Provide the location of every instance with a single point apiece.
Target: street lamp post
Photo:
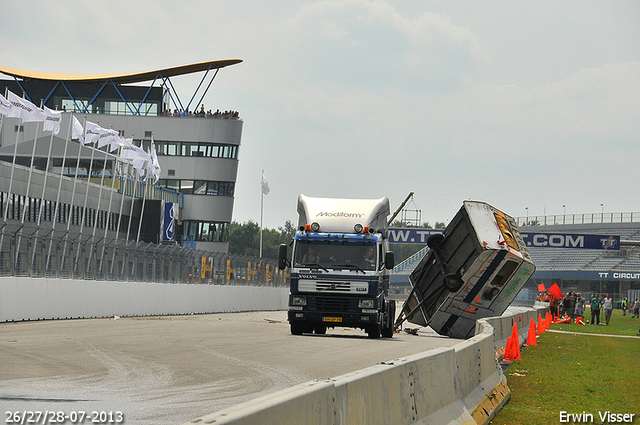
(527, 222)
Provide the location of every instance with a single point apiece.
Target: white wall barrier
(23, 298)
(463, 384)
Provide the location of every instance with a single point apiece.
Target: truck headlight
(298, 301)
(365, 303)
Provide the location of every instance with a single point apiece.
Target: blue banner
(418, 235)
(571, 240)
(168, 221)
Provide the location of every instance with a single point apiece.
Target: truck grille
(332, 304)
(334, 286)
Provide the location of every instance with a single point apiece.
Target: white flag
(5, 106)
(24, 109)
(78, 131)
(101, 136)
(120, 142)
(265, 185)
(52, 121)
(138, 155)
(154, 163)
(134, 152)
(108, 139)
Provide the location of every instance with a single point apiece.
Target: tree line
(244, 239)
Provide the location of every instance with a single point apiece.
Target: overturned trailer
(474, 269)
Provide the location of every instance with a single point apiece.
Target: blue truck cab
(339, 267)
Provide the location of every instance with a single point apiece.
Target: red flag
(555, 291)
(541, 287)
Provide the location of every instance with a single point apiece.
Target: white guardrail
(463, 384)
(25, 298)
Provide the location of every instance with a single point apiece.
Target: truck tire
(297, 328)
(453, 282)
(434, 240)
(320, 329)
(387, 332)
(373, 331)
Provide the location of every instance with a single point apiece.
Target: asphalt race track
(170, 369)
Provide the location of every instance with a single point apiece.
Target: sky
(533, 107)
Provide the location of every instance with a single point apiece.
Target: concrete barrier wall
(34, 299)
(463, 384)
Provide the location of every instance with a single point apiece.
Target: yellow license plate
(332, 319)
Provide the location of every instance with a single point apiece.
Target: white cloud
(379, 98)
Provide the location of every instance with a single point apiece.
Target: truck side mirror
(389, 260)
(282, 257)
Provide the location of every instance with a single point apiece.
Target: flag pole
(94, 148)
(28, 199)
(73, 195)
(57, 208)
(261, 209)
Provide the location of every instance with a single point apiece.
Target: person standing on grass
(580, 302)
(636, 308)
(608, 308)
(566, 304)
(623, 306)
(572, 312)
(553, 305)
(595, 309)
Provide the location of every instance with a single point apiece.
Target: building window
(186, 186)
(206, 231)
(205, 150)
(198, 187)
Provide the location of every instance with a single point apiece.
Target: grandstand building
(61, 187)
(589, 271)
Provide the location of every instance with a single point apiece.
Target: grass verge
(576, 373)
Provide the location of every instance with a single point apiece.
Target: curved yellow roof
(131, 77)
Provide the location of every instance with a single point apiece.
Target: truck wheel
(387, 332)
(453, 282)
(320, 329)
(297, 328)
(373, 331)
(434, 240)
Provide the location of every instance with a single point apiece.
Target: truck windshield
(336, 256)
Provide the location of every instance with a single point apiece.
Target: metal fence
(600, 218)
(37, 254)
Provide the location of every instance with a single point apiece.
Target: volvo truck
(339, 267)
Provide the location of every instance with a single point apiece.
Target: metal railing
(598, 218)
(410, 263)
(38, 255)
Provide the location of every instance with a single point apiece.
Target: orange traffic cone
(540, 324)
(579, 321)
(512, 351)
(547, 320)
(531, 337)
(507, 351)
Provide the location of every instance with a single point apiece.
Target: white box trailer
(474, 269)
